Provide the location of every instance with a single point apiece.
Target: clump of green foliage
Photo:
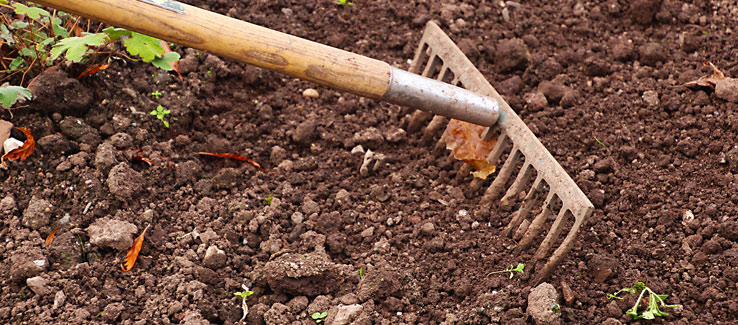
(9, 95)
(512, 270)
(344, 3)
(654, 302)
(160, 114)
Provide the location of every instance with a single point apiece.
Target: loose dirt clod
(543, 304)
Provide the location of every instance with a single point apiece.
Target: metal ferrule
(409, 89)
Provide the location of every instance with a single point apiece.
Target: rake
(459, 91)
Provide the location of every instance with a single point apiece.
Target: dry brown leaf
(5, 128)
(93, 70)
(709, 80)
(50, 238)
(232, 156)
(23, 152)
(132, 254)
(465, 142)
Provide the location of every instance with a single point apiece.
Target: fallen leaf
(5, 128)
(132, 254)
(93, 69)
(50, 238)
(23, 152)
(173, 64)
(61, 222)
(709, 80)
(144, 159)
(232, 156)
(465, 142)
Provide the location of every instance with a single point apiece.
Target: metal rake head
(541, 184)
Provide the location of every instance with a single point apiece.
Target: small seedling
(244, 294)
(511, 270)
(555, 308)
(319, 317)
(210, 72)
(344, 3)
(160, 113)
(599, 142)
(269, 199)
(361, 273)
(654, 301)
(156, 94)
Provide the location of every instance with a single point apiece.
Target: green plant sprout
(160, 113)
(361, 273)
(555, 308)
(344, 3)
(156, 94)
(654, 301)
(269, 199)
(319, 317)
(599, 142)
(244, 294)
(511, 270)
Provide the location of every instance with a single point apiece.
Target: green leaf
(17, 63)
(19, 24)
(6, 35)
(165, 123)
(154, 112)
(147, 47)
(59, 31)
(4, 2)
(77, 47)
(116, 33)
(163, 62)
(9, 95)
(29, 52)
(639, 286)
(31, 12)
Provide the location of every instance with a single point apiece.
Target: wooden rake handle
(324, 65)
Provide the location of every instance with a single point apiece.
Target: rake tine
(528, 202)
(516, 186)
(494, 190)
(536, 225)
(560, 252)
(551, 237)
(435, 125)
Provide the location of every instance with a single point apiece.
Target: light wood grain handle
(241, 41)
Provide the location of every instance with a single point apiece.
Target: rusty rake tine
(536, 225)
(528, 202)
(517, 185)
(494, 190)
(551, 237)
(435, 125)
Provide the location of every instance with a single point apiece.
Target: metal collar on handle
(409, 89)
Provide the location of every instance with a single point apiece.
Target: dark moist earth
(409, 242)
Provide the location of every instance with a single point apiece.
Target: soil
(408, 242)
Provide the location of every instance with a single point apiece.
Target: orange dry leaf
(232, 156)
(92, 70)
(50, 238)
(23, 152)
(709, 80)
(465, 142)
(132, 254)
(175, 64)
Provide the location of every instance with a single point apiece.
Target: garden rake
(450, 87)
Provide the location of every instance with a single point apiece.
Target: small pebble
(311, 93)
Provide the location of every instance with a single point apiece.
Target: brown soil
(408, 242)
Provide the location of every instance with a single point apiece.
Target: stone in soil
(105, 157)
(38, 285)
(305, 132)
(124, 182)
(305, 274)
(37, 214)
(652, 53)
(369, 137)
(535, 101)
(214, 258)
(343, 314)
(511, 54)
(541, 302)
(601, 267)
(74, 128)
(112, 233)
(26, 263)
(727, 89)
(553, 90)
(53, 91)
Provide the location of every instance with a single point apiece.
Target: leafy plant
(319, 317)
(654, 302)
(519, 268)
(160, 113)
(344, 3)
(243, 294)
(38, 38)
(156, 94)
